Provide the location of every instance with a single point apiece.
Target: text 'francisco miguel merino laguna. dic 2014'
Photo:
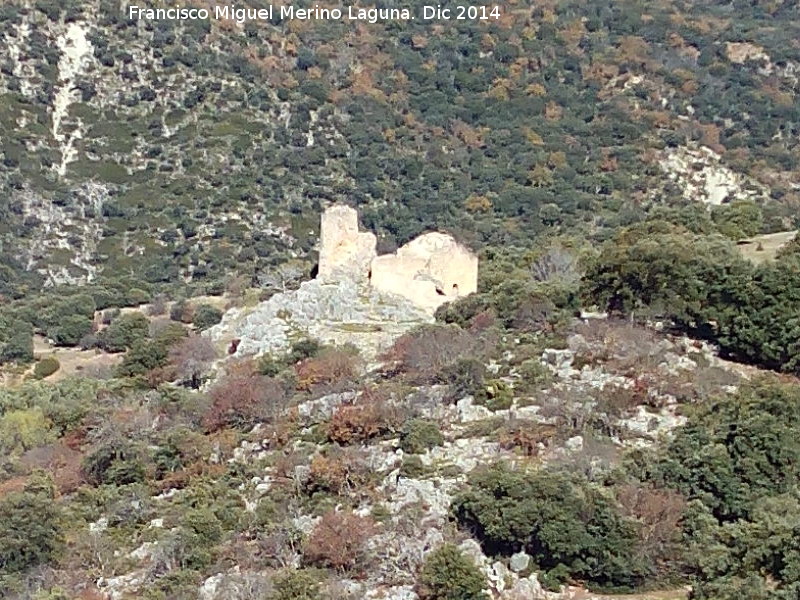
(316, 13)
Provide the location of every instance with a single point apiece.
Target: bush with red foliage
(373, 414)
(338, 471)
(330, 369)
(241, 400)
(424, 354)
(339, 541)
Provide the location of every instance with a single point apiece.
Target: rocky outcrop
(358, 298)
(702, 175)
(344, 312)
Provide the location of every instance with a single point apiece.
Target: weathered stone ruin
(344, 251)
(430, 270)
(358, 297)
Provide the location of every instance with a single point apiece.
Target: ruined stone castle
(429, 270)
(358, 298)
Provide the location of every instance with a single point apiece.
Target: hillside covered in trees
(615, 411)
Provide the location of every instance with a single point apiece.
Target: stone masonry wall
(430, 270)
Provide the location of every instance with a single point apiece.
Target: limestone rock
(399, 592)
(527, 589)
(320, 409)
(335, 313)
(702, 175)
(469, 411)
(473, 550)
(519, 562)
(499, 576)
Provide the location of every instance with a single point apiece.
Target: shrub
(449, 575)
(369, 417)
(204, 524)
(419, 435)
(302, 349)
(191, 358)
(22, 430)
(16, 342)
(159, 306)
(136, 296)
(65, 402)
(30, 534)
(167, 332)
(412, 467)
(295, 585)
(206, 316)
(270, 366)
(465, 377)
(529, 436)
(107, 316)
(495, 395)
(735, 450)
(533, 373)
(181, 311)
(244, 400)
(659, 513)
(425, 353)
(568, 527)
(330, 367)
(461, 312)
(117, 462)
(70, 330)
(339, 471)
(339, 541)
(46, 367)
(145, 355)
(124, 331)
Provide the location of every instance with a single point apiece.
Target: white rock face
(434, 493)
(335, 313)
(400, 592)
(741, 52)
(702, 176)
(75, 53)
(519, 562)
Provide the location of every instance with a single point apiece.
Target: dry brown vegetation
(659, 513)
(339, 541)
(423, 354)
(330, 371)
(244, 400)
(373, 414)
(339, 471)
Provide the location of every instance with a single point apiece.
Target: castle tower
(344, 251)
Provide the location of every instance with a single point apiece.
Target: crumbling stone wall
(430, 270)
(344, 251)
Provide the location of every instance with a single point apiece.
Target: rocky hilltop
(358, 297)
